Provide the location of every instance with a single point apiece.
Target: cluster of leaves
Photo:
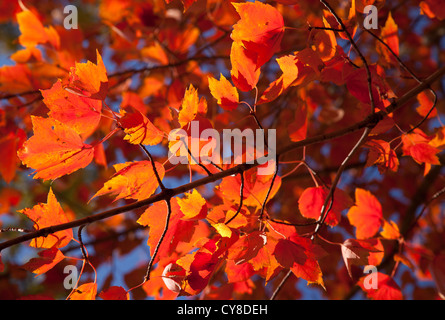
(356, 180)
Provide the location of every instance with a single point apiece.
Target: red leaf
(387, 288)
(298, 254)
(114, 293)
(312, 199)
(366, 215)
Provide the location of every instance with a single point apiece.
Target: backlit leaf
(45, 215)
(54, 150)
(132, 180)
(366, 215)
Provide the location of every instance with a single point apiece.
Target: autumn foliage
(86, 176)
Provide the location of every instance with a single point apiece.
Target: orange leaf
(193, 206)
(224, 93)
(80, 113)
(139, 129)
(114, 293)
(87, 291)
(433, 9)
(189, 107)
(366, 215)
(260, 29)
(389, 35)
(132, 180)
(48, 259)
(387, 288)
(89, 79)
(179, 230)
(54, 150)
(289, 68)
(390, 230)
(33, 32)
(426, 103)
(46, 215)
(245, 74)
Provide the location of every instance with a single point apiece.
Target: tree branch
(370, 121)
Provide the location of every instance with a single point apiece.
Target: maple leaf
(312, 199)
(387, 288)
(381, 154)
(80, 113)
(324, 42)
(356, 252)
(86, 291)
(260, 29)
(47, 260)
(89, 79)
(389, 35)
(289, 67)
(426, 103)
(390, 230)
(421, 148)
(366, 215)
(173, 277)
(54, 150)
(46, 215)
(297, 254)
(244, 73)
(139, 129)
(33, 32)
(433, 9)
(193, 206)
(132, 180)
(114, 293)
(9, 143)
(190, 105)
(226, 95)
(247, 247)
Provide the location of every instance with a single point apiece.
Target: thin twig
(241, 196)
(356, 48)
(280, 285)
(153, 164)
(161, 239)
(330, 197)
